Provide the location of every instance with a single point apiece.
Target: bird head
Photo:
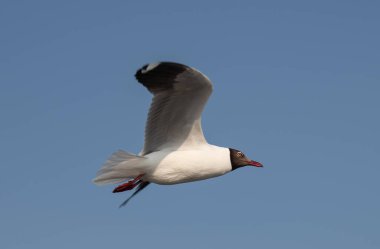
(239, 159)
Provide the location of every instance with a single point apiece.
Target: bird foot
(128, 185)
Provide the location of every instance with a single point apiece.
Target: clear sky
(297, 87)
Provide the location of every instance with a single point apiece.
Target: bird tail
(119, 167)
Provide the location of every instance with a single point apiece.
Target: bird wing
(179, 96)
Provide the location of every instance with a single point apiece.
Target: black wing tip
(159, 67)
(159, 75)
(161, 64)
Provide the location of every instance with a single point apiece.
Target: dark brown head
(238, 159)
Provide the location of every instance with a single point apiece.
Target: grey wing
(180, 94)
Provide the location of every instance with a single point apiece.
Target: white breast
(188, 165)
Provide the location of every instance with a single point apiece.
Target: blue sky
(296, 88)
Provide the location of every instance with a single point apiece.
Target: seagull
(175, 149)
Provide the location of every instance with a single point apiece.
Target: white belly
(188, 165)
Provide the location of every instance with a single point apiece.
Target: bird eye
(240, 154)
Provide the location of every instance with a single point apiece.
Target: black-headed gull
(175, 150)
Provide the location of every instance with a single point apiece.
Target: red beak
(254, 163)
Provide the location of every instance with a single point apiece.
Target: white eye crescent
(150, 67)
(240, 154)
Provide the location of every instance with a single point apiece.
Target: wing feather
(179, 96)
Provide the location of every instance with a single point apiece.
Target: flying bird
(175, 149)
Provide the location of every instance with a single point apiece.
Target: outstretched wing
(179, 96)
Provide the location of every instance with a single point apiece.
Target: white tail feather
(119, 167)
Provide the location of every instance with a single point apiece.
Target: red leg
(128, 185)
